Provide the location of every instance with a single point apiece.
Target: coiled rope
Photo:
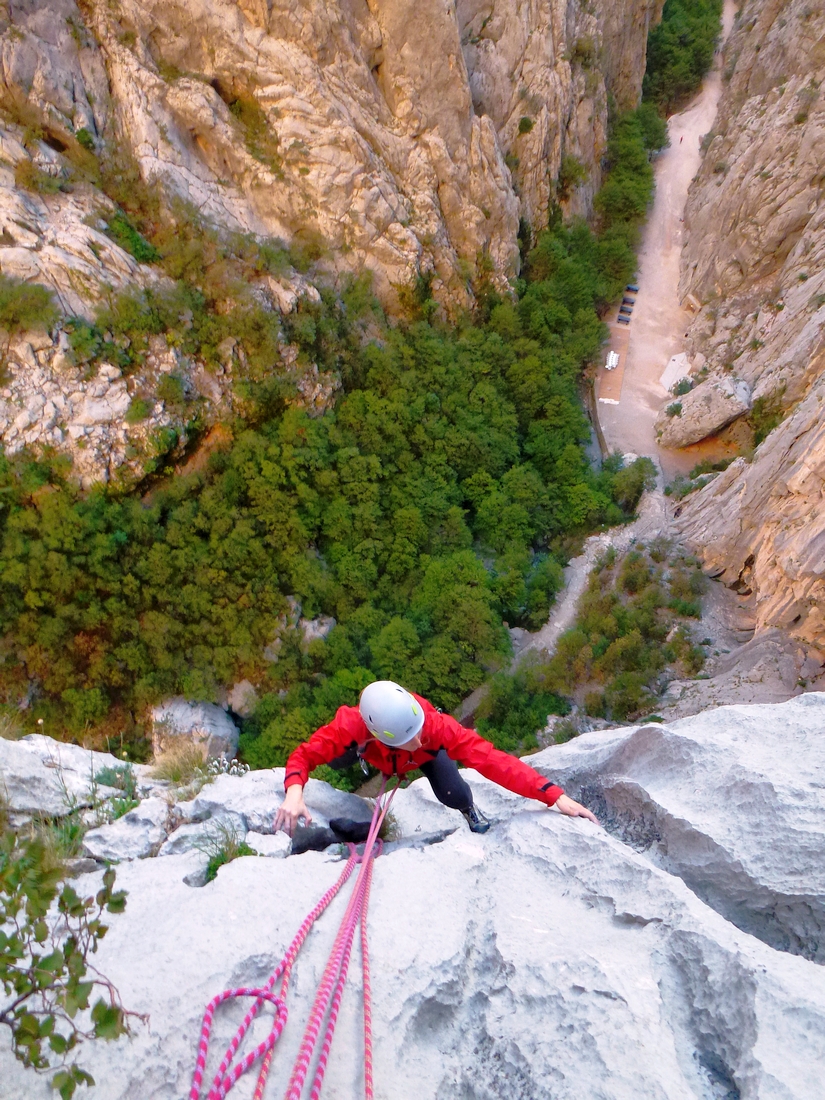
(327, 999)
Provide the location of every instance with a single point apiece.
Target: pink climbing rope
(327, 1000)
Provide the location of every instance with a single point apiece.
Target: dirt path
(653, 519)
(629, 398)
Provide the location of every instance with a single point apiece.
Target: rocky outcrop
(703, 411)
(203, 724)
(380, 130)
(116, 428)
(49, 399)
(41, 775)
(760, 525)
(542, 959)
(754, 266)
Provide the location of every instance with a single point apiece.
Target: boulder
(731, 801)
(204, 724)
(313, 630)
(196, 835)
(707, 409)
(242, 699)
(136, 835)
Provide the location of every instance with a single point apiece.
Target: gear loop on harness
(328, 997)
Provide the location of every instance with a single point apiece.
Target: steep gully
(628, 400)
(630, 397)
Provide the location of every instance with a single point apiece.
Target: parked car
(632, 288)
(628, 301)
(626, 309)
(623, 320)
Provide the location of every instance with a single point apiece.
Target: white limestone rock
(196, 836)
(204, 724)
(539, 961)
(136, 835)
(255, 798)
(313, 630)
(274, 845)
(546, 960)
(731, 800)
(242, 698)
(39, 775)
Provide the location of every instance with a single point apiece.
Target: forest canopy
(426, 512)
(680, 51)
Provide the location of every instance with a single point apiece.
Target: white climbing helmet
(391, 713)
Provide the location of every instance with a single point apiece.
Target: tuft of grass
(122, 777)
(25, 306)
(181, 763)
(62, 837)
(30, 178)
(221, 847)
(138, 411)
(121, 230)
(120, 806)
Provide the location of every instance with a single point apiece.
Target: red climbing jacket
(440, 731)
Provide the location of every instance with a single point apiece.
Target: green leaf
(117, 902)
(58, 1043)
(108, 1020)
(77, 997)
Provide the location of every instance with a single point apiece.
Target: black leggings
(442, 772)
(446, 782)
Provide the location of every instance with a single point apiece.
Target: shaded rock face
(719, 800)
(754, 262)
(386, 124)
(545, 959)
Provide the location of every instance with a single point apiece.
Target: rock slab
(546, 960)
(732, 801)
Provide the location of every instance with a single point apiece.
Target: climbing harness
(327, 999)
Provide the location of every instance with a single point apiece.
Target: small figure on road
(681, 139)
(397, 731)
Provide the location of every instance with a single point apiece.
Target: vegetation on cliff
(428, 509)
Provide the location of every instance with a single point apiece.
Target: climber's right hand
(292, 808)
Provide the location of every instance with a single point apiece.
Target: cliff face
(381, 127)
(754, 268)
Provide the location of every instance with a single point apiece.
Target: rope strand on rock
(327, 1000)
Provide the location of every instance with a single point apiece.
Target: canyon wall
(754, 270)
(407, 137)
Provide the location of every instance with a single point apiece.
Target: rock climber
(397, 731)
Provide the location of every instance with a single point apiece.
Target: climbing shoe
(476, 820)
